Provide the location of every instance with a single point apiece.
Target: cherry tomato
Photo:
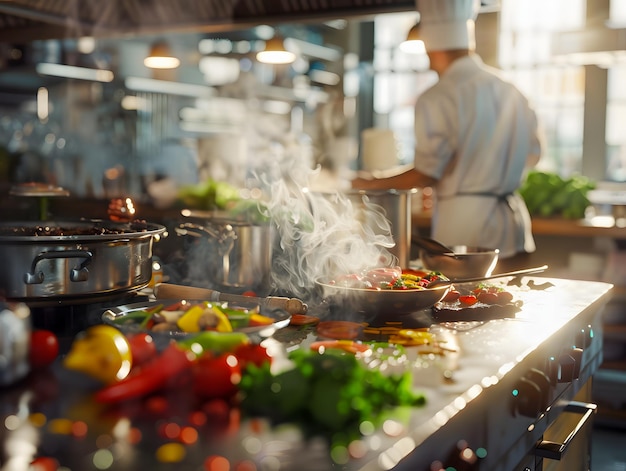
(44, 348)
(504, 297)
(142, 347)
(216, 377)
(468, 299)
(44, 463)
(251, 353)
(488, 297)
(451, 296)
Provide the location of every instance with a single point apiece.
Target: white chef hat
(447, 24)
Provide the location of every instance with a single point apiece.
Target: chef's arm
(399, 178)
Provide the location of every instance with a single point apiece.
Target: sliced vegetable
(339, 329)
(303, 319)
(216, 342)
(102, 352)
(349, 346)
(216, 376)
(153, 376)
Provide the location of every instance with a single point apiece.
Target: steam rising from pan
(320, 235)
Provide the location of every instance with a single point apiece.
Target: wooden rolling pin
(169, 291)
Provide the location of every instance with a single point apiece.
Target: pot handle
(224, 234)
(79, 273)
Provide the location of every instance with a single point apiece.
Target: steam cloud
(321, 235)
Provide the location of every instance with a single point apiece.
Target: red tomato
(44, 463)
(44, 348)
(251, 353)
(216, 377)
(504, 297)
(451, 296)
(488, 298)
(142, 347)
(468, 299)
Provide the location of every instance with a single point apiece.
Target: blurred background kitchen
(81, 111)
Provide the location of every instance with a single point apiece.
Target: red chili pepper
(303, 319)
(154, 375)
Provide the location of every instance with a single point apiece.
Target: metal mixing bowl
(465, 262)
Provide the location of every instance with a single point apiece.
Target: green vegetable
(216, 342)
(330, 393)
(548, 194)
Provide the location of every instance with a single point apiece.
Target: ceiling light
(413, 44)
(275, 52)
(160, 57)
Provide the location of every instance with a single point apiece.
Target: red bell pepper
(151, 377)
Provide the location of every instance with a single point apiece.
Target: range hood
(27, 20)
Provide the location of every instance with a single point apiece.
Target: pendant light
(161, 57)
(413, 44)
(275, 52)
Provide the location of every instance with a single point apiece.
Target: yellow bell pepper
(188, 322)
(101, 352)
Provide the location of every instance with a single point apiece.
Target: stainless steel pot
(48, 260)
(240, 255)
(396, 206)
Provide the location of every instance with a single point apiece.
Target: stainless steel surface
(15, 330)
(66, 266)
(467, 262)
(470, 396)
(396, 206)
(240, 255)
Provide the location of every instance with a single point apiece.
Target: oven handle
(554, 450)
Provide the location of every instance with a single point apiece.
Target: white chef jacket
(474, 133)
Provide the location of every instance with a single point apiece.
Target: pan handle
(79, 273)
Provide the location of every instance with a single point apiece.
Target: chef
(476, 135)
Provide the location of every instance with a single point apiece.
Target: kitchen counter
(469, 396)
(598, 226)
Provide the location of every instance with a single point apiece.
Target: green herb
(329, 394)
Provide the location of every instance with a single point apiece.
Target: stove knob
(569, 365)
(543, 382)
(584, 337)
(527, 398)
(577, 355)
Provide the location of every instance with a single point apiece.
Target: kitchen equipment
(523, 271)
(396, 206)
(15, 330)
(462, 261)
(239, 254)
(121, 318)
(433, 247)
(47, 260)
(171, 291)
(381, 303)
